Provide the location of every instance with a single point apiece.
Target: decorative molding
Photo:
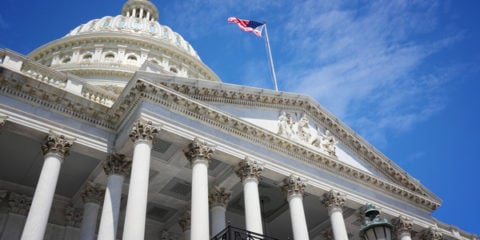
(143, 130)
(402, 224)
(57, 144)
(73, 216)
(117, 164)
(19, 203)
(92, 193)
(185, 221)
(219, 197)
(332, 199)
(249, 169)
(198, 150)
(431, 233)
(294, 186)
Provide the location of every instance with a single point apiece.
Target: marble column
(218, 200)
(185, 224)
(250, 172)
(55, 149)
(432, 233)
(199, 154)
(294, 188)
(403, 228)
(142, 135)
(116, 167)
(334, 201)
(92, 196)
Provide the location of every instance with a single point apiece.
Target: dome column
(55, 149)
(142, 135)
(334, 201)
(218, 200)
(294, 188)
(92, 197)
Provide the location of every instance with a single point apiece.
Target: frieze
(181, 104)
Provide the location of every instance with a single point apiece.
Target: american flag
(248, 25)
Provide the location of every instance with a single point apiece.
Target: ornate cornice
(175, 101)
(219, 197)
(198, 150)
(333, 199)
(117, 164)
(249, 169)
(93, 193)
(293, 185)
(143, 130)
(185, 221)
(57, 144)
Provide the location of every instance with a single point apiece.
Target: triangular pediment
(259, 111)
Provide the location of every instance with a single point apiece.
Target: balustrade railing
(233, 233)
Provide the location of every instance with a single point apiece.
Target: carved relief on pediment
(301, 131)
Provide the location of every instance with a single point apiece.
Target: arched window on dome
(132, 58)
(154, 61)
(87, 57)
(66, 60)
(109, 57)
(165, 33)
(173, 69)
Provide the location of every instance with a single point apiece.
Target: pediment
(257, 112)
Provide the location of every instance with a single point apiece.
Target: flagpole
(269, 52)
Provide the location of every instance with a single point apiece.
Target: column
(199, 154)
(92, 196)
(403, 228)
(431, 233)
(185, 224)
(294, 188)
(142, 135)
(249, 172)
(55, 149)
(116, 167)
(334, 201)
(218, 200)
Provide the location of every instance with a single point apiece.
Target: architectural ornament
(117, 164)
(57, 144)
(303, 129)
(3, 120)
(333, 199)
(143, 130)
(249, 169)
(327, 234)
(402, 224)
(19, 203)
(73, 216)
(329, 143)
(432, 233)
(219, 196)
(92, 193)
(294, 185)
(185, 221)
(285, 125)
(198, 149)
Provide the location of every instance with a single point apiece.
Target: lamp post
(375, 228)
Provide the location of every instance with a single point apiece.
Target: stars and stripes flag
(248, 25)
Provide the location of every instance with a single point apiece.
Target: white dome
(109, 50)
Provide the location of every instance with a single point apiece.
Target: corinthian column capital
(402, 224)
(333, 199)
(219, 197)
(294, 185)
(185, 221)
(57, 144)
(143, 130)
(117, 164)
(92, 193)
(431, 233)
(249, 169)
(198, 150)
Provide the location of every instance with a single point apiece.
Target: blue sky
(403, 74)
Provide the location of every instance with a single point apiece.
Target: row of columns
(199, 154)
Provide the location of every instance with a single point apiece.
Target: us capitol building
(118, 130)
